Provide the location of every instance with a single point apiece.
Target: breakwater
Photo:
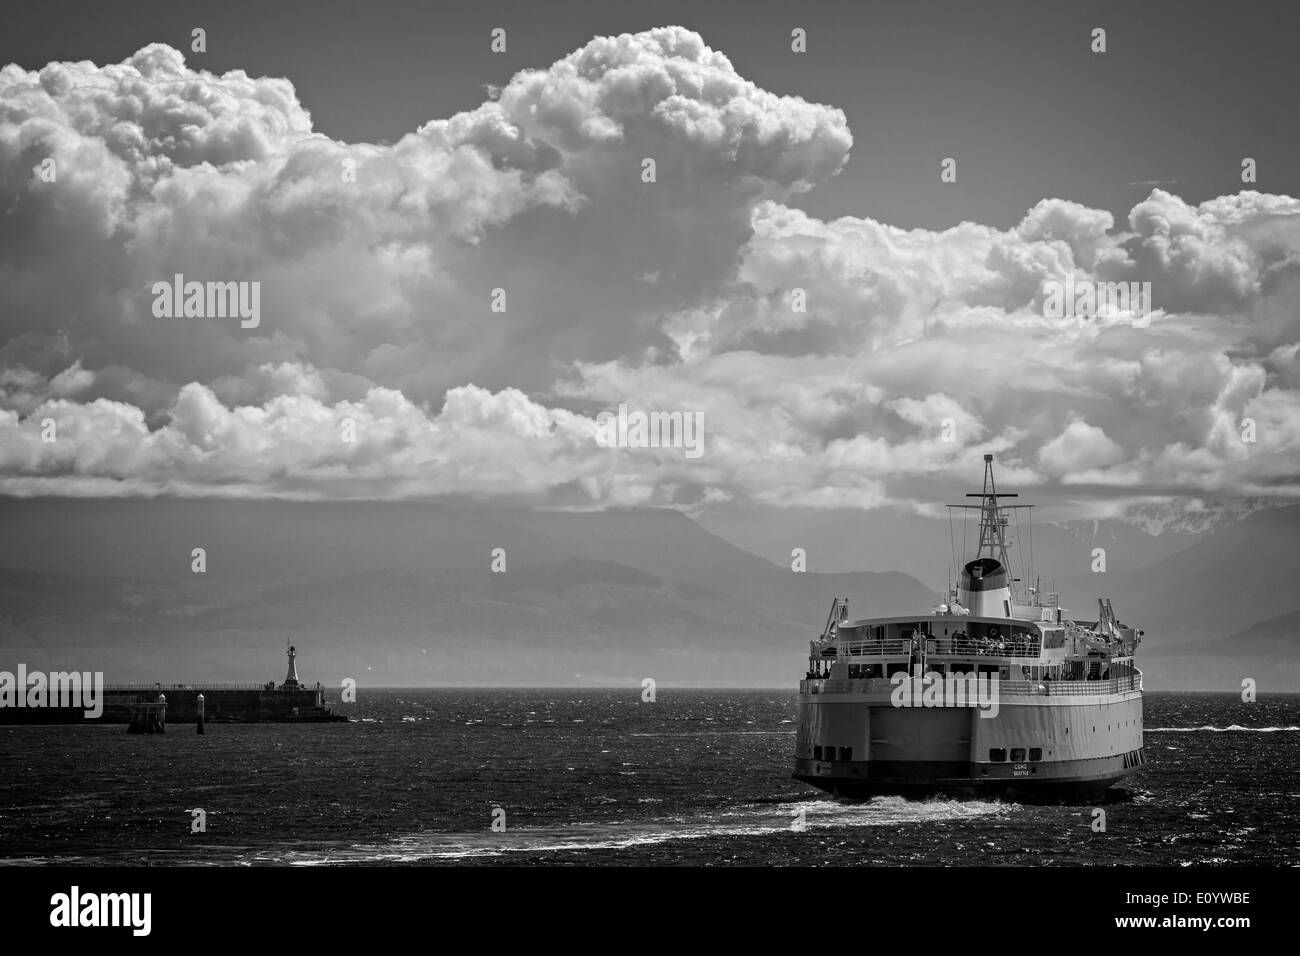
(223, 703)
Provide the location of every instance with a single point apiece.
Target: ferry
(984, 694)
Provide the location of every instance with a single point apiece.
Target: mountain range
(404, 593)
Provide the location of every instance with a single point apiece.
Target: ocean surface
(596, 777)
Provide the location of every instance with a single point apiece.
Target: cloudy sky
(380, 172)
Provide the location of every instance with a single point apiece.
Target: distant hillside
(1220, 610)
(885, 540)
(1211, 514)
(1234, 577)
(403, 593)
(1277, 638)
(1268, 652)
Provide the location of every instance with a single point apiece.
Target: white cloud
(1081, 447)
(378, 265)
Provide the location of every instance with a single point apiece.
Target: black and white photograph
(609, 436)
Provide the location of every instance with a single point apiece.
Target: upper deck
(940, 634)
(946, 643)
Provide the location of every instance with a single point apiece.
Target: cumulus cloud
(382, 261)
(1080, 447)
(480, 444)
(470, 297)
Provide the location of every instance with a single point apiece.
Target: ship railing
(1005, 648)
(1062, 688)
(871, 648)
(942, 646)
(1006, 688)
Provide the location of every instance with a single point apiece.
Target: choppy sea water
(598, 777)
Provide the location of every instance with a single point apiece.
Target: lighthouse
(291, 679)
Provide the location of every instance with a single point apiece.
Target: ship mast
(993, 523)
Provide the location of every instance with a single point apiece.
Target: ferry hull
(859, 745)
(1058, 780)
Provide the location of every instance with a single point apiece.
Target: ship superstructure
(985, 692)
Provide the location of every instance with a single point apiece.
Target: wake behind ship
(982, 694)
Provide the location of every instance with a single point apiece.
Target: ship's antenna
(952, 553)
(1024, 569)
(992, 539)
(963, 534)
(1031, 552)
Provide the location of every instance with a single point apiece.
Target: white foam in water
(744, 821)
(1231, 728)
